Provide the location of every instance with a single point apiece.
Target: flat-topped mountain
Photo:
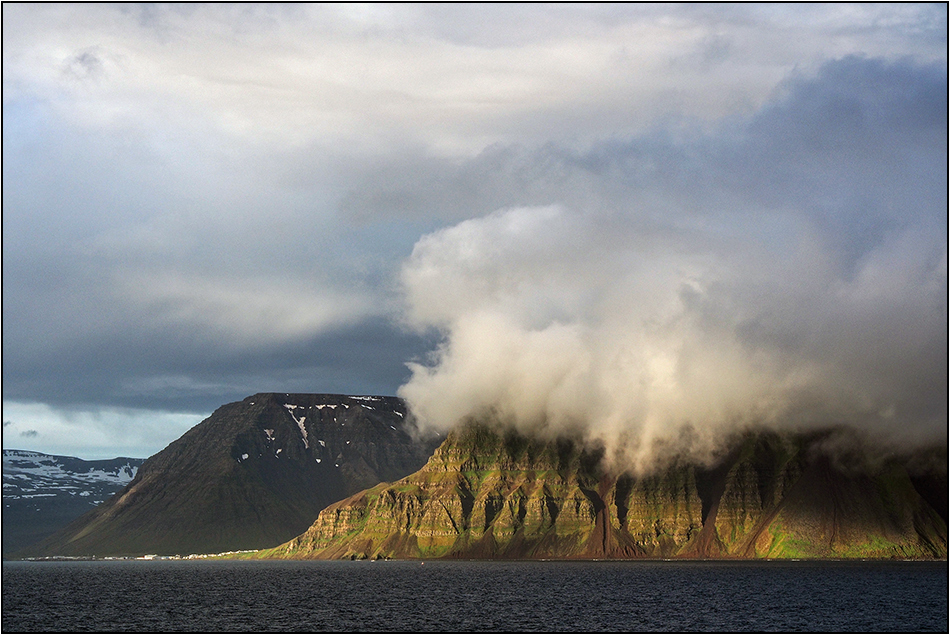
(254, 474)
(488, 493)
(45, 492)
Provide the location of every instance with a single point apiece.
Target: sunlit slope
(491, 494)
(254, 474)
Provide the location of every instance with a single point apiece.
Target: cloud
(779, 271)
(448, 78)
(246, 312)
(179, 370)
(204, 201)
(29, 433)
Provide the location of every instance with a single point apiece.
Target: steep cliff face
(254, 474)
(487, 493)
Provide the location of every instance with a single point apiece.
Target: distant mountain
(488, 493)
(254, 474)
(45, 492)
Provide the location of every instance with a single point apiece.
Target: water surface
(443, 596)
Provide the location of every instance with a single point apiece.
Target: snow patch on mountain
(300, 423)
(27, 471)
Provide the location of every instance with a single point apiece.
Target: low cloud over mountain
(788, 269)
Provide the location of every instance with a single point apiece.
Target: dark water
(202, 596)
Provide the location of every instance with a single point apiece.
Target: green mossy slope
(488, 493)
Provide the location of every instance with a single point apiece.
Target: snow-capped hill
(26, 471)
(44, 492)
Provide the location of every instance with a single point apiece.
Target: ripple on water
(174, 596)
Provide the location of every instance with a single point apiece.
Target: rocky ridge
(490, 493)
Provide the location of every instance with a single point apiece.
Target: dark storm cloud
(174, 370)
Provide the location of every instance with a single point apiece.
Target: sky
(645, 222)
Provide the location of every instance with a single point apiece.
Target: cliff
(488, 493)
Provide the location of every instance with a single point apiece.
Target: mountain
(253, 474)
(44, 492)
(489, 493)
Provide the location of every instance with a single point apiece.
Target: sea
(474, 596)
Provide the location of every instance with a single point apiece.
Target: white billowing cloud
(552, 320)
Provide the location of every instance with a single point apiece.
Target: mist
(785, 270)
